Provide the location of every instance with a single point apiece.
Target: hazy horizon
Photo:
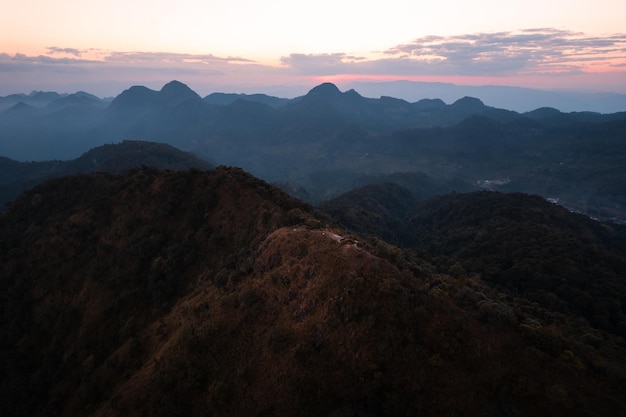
(520, 99)
(285, 48)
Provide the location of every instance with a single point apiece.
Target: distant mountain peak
(44, 95)
(176, 89)
(352, 93)
(429, 104)
(469, 103)
(175, 85)
(324, 90)
(21, 107)
(134, 96)
(544, 112)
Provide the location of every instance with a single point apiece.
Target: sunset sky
(287, 47)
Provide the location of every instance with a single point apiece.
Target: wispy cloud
(99, 61)
(325, 64)
(503, 53)
(130, 58)
(53, 50)
(513, 55)
(73, 69)
(24, 63)
(532, 51)
(96, 56)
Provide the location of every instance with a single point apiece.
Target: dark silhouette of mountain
(256, 113)
(175, 92)
(374, 209)
(16, 177)
(77, 99)
(126, 155)
(386, 113)
(324, 91)
(187, 293)
(135, 98)
(469, 104)
(544, 113)
(428, 104)
(554, 117)
(418, 183)
(326, 103)
(224, 99)
(45, 96)
(174, 114)
(506, 97)
(381, 205)
(141, 108)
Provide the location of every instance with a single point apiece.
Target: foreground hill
(211, 292)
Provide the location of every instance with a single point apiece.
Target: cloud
(61, 68)
(100, 60)
(324, 64)
(532, 51)
(70, 51)
(24, 63)
(132, 58)
(512, 55)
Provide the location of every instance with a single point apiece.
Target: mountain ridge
(325, 142)
(520, 99)
(187, 292)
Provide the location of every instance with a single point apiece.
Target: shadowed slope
(195, 293)
(564, 261)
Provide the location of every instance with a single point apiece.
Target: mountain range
(332, 255)
(521, 99)
(328, 142)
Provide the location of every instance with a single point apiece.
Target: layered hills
(328, 142)
(214, 293)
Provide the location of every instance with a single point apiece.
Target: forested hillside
(212, 292)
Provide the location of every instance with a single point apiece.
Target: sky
(285, 47)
